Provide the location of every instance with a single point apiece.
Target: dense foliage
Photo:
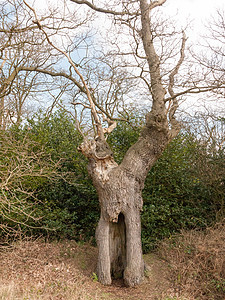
(69, 203)
(184, 190)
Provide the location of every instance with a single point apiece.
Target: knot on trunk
(102, 149)
(157, 121)
(96, 149)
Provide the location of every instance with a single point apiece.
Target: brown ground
(37, 270)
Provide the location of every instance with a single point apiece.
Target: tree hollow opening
(117, 245)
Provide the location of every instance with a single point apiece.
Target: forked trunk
(119, 188)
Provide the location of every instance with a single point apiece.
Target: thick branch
(54, 74)
(175, 125)
(2, 65)
(7, 84)
(102, 10)
(155, 135)
(176, 69)
(157, 89)
(156, 3)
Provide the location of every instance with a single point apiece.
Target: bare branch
(53, 74)
(195, 90)
(175, 125)
(102, 10)
(2, 64)
(176, 69)
(156, 3)
(93, 109)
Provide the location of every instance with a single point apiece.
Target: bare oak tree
(16, 51)
(214, 60)
(120, 187)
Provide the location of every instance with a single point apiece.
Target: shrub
(69, 203)
(176, 194)
(184, 190)
(22, 172)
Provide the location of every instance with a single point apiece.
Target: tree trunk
(118, 233)
(119, 188)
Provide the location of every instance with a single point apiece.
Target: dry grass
(197, 263)
(36, 270)
(32, 270)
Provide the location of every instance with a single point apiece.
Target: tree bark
(119, 230)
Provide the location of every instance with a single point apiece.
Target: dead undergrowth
(32, 270)
(192, 269)
(197, 263)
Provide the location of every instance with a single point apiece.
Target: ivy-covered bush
(48, 190)
(175, 197)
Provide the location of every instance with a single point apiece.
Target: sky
(197, 11)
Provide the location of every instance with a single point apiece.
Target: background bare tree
(214, 60)
(23, 45)
(209, 55)
(17, 39)
(23, 49)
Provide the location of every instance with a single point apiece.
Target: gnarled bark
(119, 188)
